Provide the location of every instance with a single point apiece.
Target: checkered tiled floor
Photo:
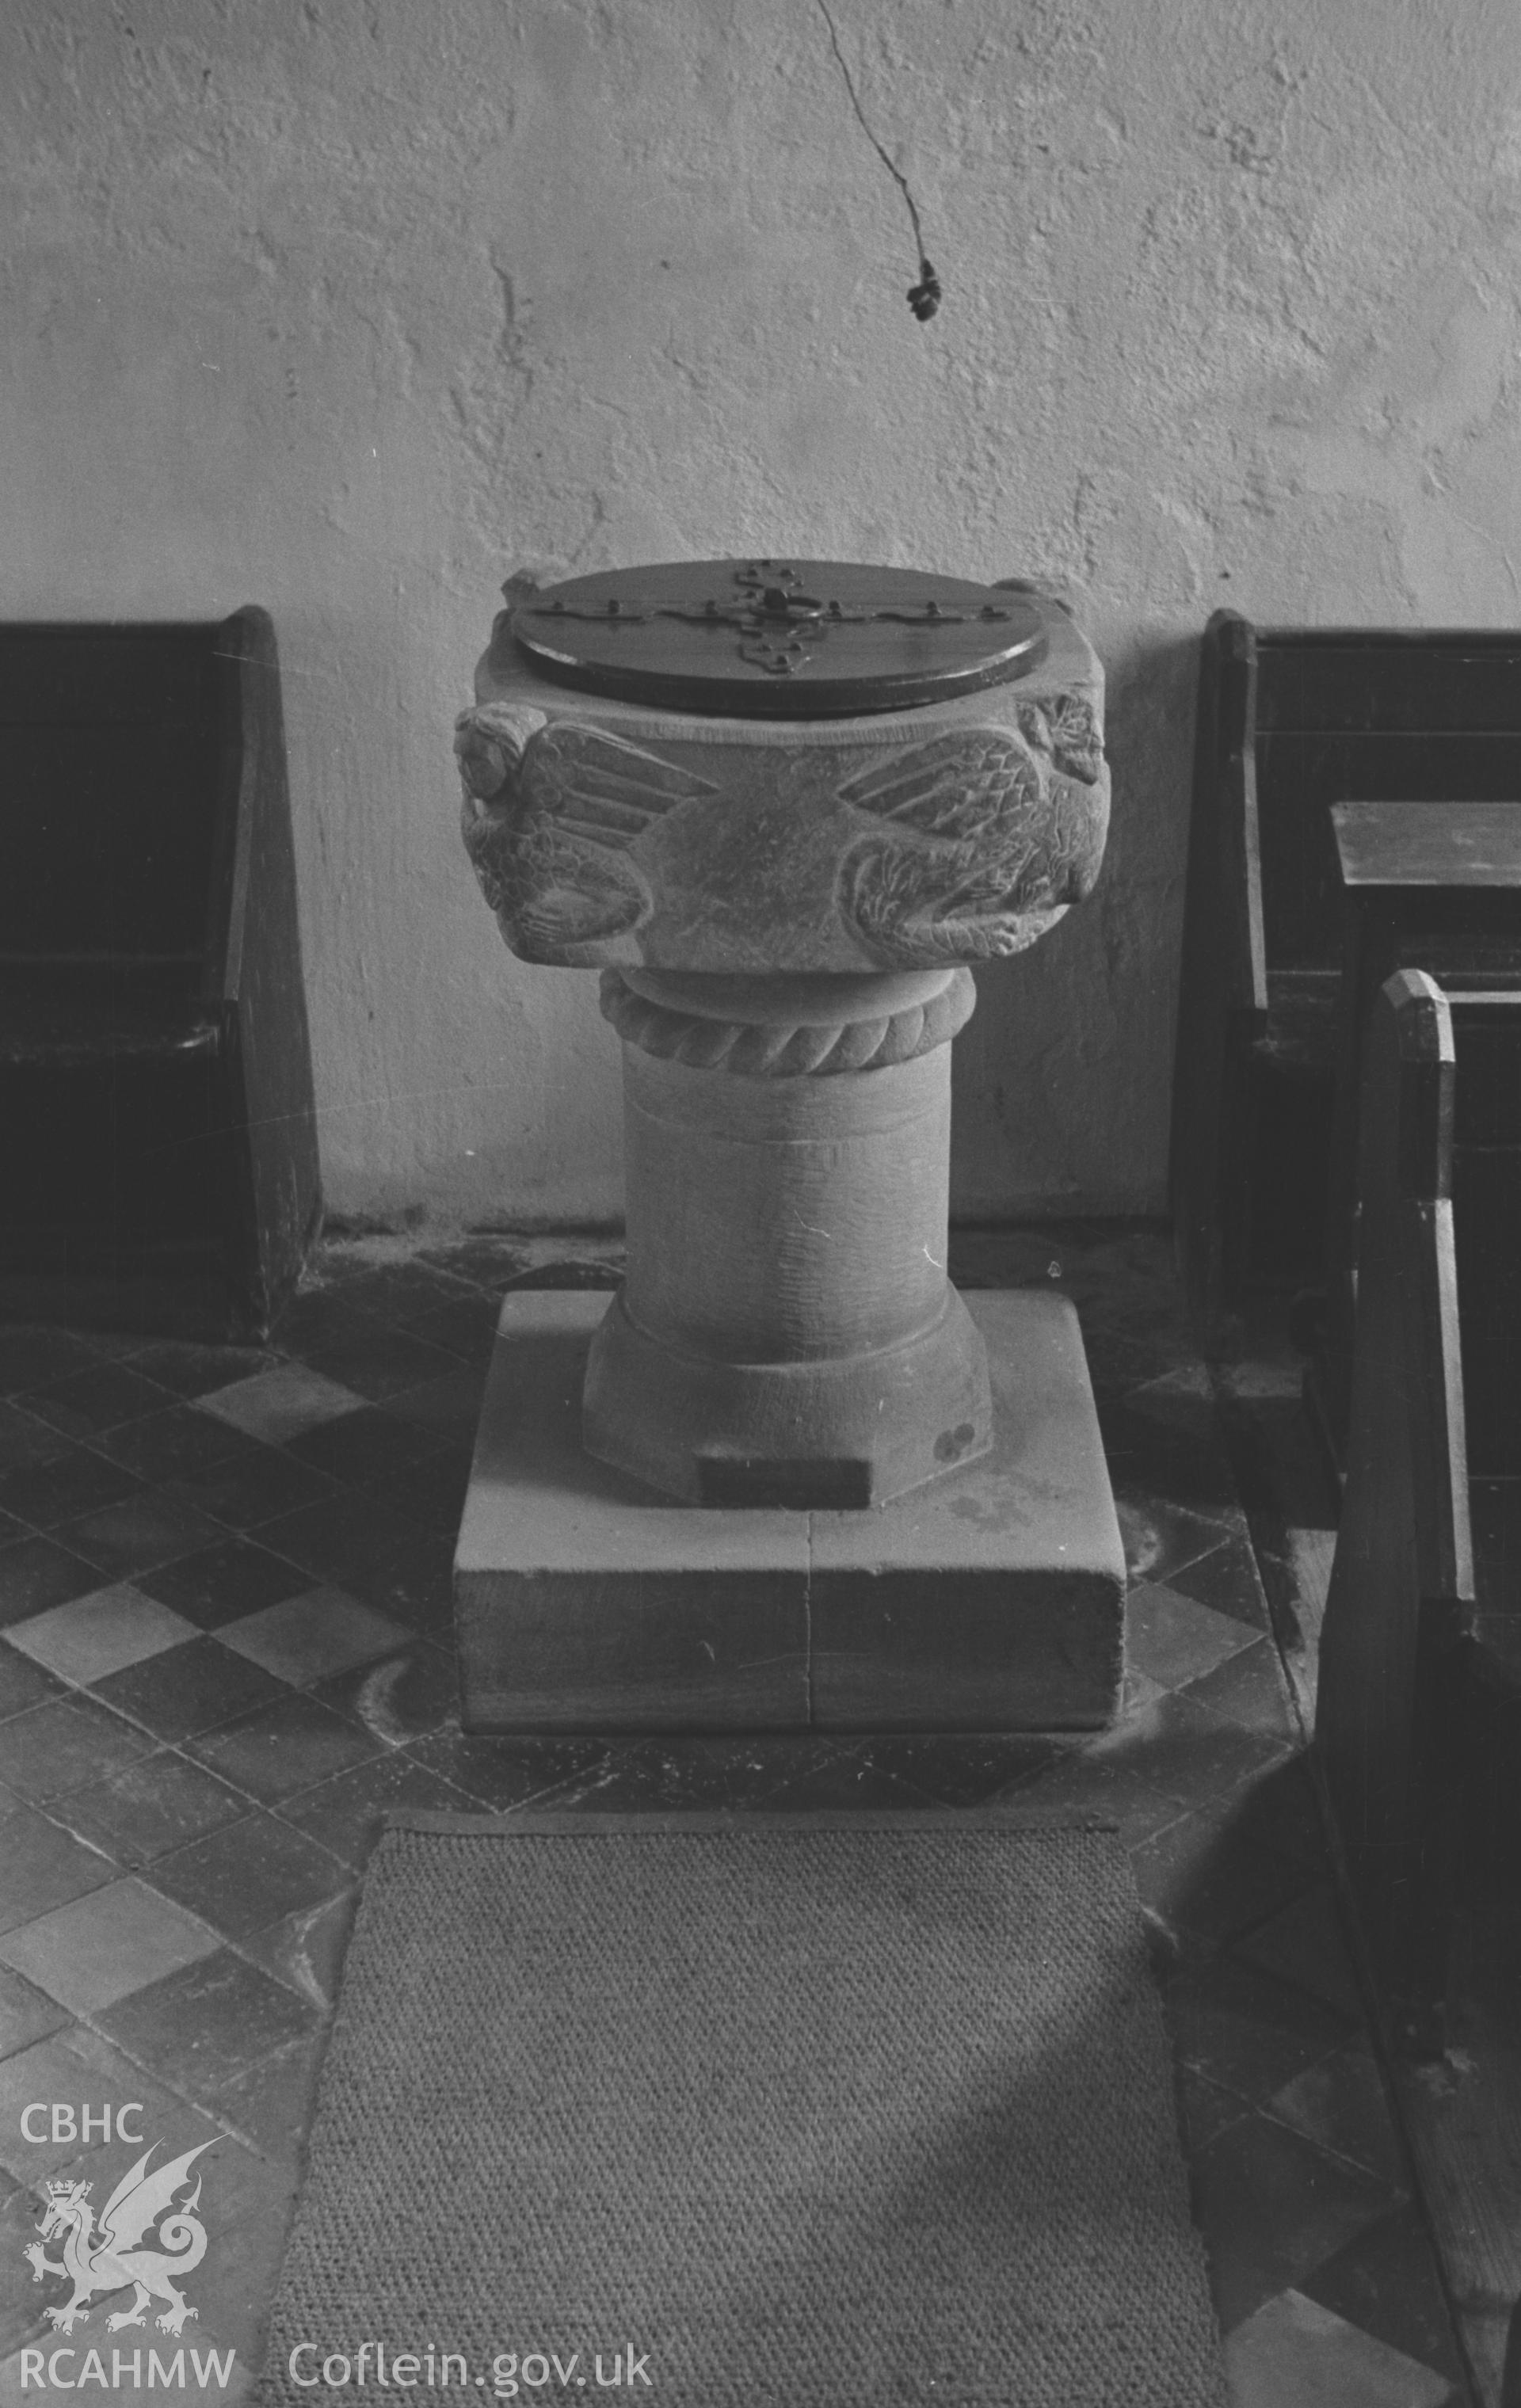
(226, 1650)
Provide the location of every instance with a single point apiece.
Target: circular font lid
(778, 639)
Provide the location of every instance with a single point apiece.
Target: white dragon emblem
(108, 2259)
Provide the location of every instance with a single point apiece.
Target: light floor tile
(311, 1637)
(102, 1947)
(1341, 2105)
(101, 1633)
(1173, 1641)
(1293, 2354)
(279, 1404)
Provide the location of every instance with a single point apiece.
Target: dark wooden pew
(159, 1168)
(1437, 885)
(1418, 1718)
(1290, 721)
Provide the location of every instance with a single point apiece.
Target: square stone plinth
(989, 1599)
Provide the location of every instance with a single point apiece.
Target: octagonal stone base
(989, 1599)
(852, 1431)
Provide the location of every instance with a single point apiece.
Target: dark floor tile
(220, 1583)
(23, 2302)
(112, 1345)
(488, 1262)
(284, 1747)
(25, 2013)
(361, 1544)
(38, 1573)
(96, 1398)
(201, 2028)
(77, 2063)
(1207, 2110)
(1275, 2209)
(25, 1439)
(1227, 1579)
(129, 1538)
(1342, 2106)
(1387, 2281)
(32, 1353)
(320, 1315)
(451, 1406)
(1175, 1746)
(305, 1949)
(23, 1683)
(274, 2101)
(250, 1874)
(1248, 2032)
(190, 1689)
(347, 1813)
(1120, 1360)
(406, 1293)
(403, 1698)
(1306, 1944)
(963, 1769)
(195, 1370)
(1080, 1782)
(363, 1447)
(1147, 1458)
(151, 1808)
(499, 1774)
(1206, 1882)
(431, 1492)
(12, 1527)
(75, 1480)
(252, 1488)
(177, 1441)
(1172, 1638)
(466, 1328)
(847, 1776)
(61, 1745)
(1249, 1688)
(42, 1866)
(1161, 1539)
(375, 1360)
(235, 2289)
(1277, 1810)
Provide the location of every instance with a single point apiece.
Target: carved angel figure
(107, 2259)
(551, 815)
(1064, 726)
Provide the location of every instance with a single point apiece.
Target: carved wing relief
(551, 839)
(968, 845)
(978, 844)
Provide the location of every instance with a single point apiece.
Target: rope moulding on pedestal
(804, 1048)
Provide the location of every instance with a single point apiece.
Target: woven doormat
(846, 2111)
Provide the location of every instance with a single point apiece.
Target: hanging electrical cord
(925, 296)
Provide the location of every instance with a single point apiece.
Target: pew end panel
(160, 1165)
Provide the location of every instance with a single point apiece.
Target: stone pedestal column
(786, 1333)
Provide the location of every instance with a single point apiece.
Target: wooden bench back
(1351, 714)
(111, 769)
(1418, 1688)
(1486, 1177)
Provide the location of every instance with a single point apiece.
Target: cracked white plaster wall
(352, 306)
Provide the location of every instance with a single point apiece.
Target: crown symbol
(68, 2189)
